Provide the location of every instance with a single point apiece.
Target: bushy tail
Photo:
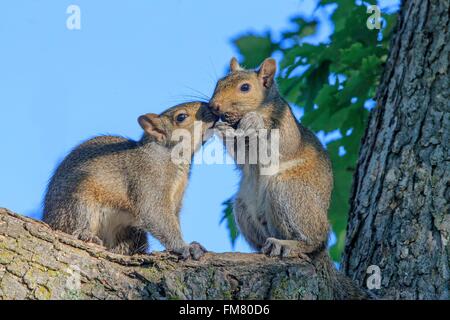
(341, 286)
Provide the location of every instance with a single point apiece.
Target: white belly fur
(253, 193)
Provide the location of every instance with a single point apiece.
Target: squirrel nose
(215, 106)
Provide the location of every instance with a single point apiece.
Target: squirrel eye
(245, 87)
(181, 117)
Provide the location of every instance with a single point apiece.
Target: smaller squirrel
(283, 214)
(110, 190)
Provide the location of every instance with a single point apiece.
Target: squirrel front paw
(225, 132)
(224, 128)
(193, 250)
(251, 121)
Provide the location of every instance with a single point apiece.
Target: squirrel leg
(74, 217)
(84, 222)
(164, 225)
(131, 241)
(297, 220)
(248, 227)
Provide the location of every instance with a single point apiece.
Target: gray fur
(110, 190)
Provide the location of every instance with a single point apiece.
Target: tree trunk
(39, 263)
(399, 216)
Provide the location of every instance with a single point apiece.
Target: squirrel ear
(234, 65)
(267, 72)
(147, 122)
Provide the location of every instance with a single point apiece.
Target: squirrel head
(162, 128)
(243, 91)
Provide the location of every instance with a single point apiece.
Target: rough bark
(39, 263)
(399, 217)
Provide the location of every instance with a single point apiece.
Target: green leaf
(254, 49)
(228, 218)
(315, 78)
(351, 57)
(303, 29)
(389, 26)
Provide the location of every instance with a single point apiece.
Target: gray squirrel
(283, 214)
(110, 190)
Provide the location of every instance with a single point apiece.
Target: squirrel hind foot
(284, 249)
(91, 238)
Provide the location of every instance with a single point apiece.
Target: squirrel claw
(194, 250)
(223, 128)
(87, 237)
(280, 248)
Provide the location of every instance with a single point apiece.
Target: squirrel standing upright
(283, 214)
(110, 190)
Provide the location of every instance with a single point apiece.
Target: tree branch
(39, 263)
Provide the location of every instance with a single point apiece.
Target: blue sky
(59, 87)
